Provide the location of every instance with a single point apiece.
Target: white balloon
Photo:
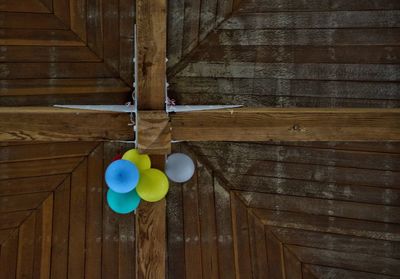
(179, 167)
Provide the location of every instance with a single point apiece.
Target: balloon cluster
(131, 179)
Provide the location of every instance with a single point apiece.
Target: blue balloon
(122, 176)
(123, 203)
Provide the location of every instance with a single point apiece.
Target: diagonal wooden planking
(286, 240)
(55, 37)
(66, 232)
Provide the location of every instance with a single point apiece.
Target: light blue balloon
(122, 176)
(123, 203)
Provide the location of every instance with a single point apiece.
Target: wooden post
(151, 54)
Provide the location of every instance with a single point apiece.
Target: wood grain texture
(151, 234)
(62, 236)
(154, 132)
(41, 124)
(328, 43)
(282, 235)
(287, 125)
(151, 40)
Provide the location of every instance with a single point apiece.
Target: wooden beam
(288, 124)
(59, 124)
(151, 22)
(154, 132)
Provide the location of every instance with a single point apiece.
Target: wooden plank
(111, 46)
(126, 41)
(304, 71)
(324, 174)
(176, 240)
(258, 248)
(176, 16)
(94, 25)
(77, 228)
(151, 40)
(191, 215)
(27, 6)
(46, 54)
(316, 271)
(25, 185)
(13, 219)
(26, 240)
(346, 36)
(39, 37)
(328, 224)
(127, 251)
(223, 218)
(241, 242)
(110, 234)
(352, 261)
(260, 6)
(37, 168)
(340, 242)
(296, 124)
(346, 209)
(45, 151)
(43, 239)
(30, 21)
(78, 18)
(55, 70)
(154, 132)
(209, 248)
(22, 202)
(9, 256)
(224, 9)
(60, 240)
(208, 13)
(298, 54)
(41, 124)
(94, 218)
(209, 86)
(151, 234)
(292, 265)
(306, 20)
(313, 154)
(61, 10)
(191, 26)
(276, 266)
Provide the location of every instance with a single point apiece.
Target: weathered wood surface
(297, 54)
(68, 47)
(154, 132)
(268, 231)
(151, 39)
(151, 217)
(58, 124)
(295, 124)
(55, 222)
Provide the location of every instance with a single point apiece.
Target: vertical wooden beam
(151, 22)
(151, 53)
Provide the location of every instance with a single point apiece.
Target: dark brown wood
(56, 124)
(296, 124)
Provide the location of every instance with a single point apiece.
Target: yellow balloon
(153, 185)
(142, 161)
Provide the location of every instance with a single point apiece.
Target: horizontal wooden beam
(288, 124)
(60, 124)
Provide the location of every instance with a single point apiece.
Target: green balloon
(153, 185)
(123, 203)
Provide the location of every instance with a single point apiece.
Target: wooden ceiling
(293, 54)
(287, 210)
(66, 51)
